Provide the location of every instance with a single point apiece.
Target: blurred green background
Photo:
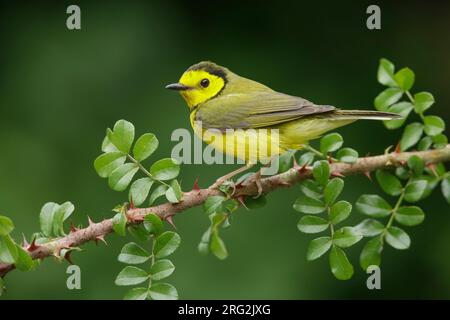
(60, 89)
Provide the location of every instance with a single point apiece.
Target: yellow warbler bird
(243, 110)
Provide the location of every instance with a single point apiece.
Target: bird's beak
(177, 86)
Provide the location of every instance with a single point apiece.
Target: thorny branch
(196, 197)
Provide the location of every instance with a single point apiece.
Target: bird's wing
(255, 110)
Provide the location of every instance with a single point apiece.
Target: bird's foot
(256, 179)
(222, 180)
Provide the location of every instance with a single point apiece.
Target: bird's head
(201, 82)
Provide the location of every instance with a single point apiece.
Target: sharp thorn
(169, 220)
(100, 238)
(90, 221)
(33, 246)
(302, 169)
(337, 174)
(241, 199)
(195, 186)
(73, 228)
(294, 163)
(432, 167)
(397, 148)
(367, 174)
(131, 203)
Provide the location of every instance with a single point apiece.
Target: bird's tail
(364, 114)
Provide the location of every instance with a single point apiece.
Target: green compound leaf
(203, 246)
(157, 193)
(6, 225)
(165, 169)
(340, 211)
(440, 141)
(309, 205)
(423, 101)
(397, 238)
(433, 125)
(106, 163)
(163, 291)
(373, 205)
(130, 276)
(385, 74)
(306, 158)
(119, 223)
(332, 190)
(401, 108)
(416, 164)
(46, 218)
(62, 212)
(415, 190)
(341, 268)
(136, 294)
(439, 170)
(52, 217)
(409, 216)
(132, 253)
(145, 146)
(389, 183)
(318, 247)
(432, 183)
(312, 224)
(311, 189)
(387, 98)
(139, 190)
(174, 193)
(138, 232)
(402, 173)
(370, 227)
(411, 135)
(162, 269)
(425, 143)
(122, 135)
(217, 246)
(121, 177)
(405, 78)
(24, 262)
(321, 172)
(166, 244)
(347, 155)
(153, 224)
(213, 204)
(331, 142)
(371, 253)
(107, 145)
(346, 237)
(8, 250)
(445, 188)
(285, 161)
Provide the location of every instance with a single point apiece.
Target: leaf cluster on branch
(406, 177)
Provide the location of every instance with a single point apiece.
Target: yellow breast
(249, 145)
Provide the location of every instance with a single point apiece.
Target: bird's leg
(230, 175)
(257, 177)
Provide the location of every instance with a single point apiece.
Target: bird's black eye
(204, 83)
